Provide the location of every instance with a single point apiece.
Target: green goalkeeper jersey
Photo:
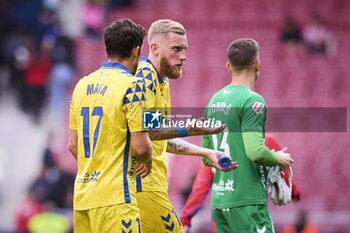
(242, 110)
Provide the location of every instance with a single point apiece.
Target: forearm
(74, 152)
(179, 146)
(169, 133)
(179, 132)
(142, 146)
(257, 151)
(73, 143)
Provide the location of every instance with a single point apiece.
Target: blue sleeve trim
(138, 184)
(125, 168)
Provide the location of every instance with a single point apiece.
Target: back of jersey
(242, 110)
(106, 107)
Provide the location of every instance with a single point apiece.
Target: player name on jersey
(98, 88)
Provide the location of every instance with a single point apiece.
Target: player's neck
(244, 79)
(125, 62)
(156, 64)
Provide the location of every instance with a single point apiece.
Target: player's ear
(229, 67)
(155, 49)
(257, 66)
(136, 52)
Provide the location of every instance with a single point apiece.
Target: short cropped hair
(243, 53)
(122, 36)
(164, 26)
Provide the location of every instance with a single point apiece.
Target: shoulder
(145, 69)
(220, 93)
(252, 97)
(148, 73)
(253, 101)
(81, 83)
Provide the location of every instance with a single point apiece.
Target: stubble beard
(170, 71)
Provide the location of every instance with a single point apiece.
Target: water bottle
(225, 161)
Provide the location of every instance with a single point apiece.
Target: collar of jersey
(160, 79)
(114, 65)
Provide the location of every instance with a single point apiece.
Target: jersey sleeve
(149, 76)
(133, 104)
(206, 144)
(254, 114)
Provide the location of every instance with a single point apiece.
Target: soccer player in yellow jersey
(107, 138)
(167, 54)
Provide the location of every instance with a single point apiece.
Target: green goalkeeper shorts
(243, 219)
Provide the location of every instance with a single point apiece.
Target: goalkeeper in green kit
(239, 197)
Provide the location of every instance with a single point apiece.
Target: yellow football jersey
(106, 107)
(157, 98)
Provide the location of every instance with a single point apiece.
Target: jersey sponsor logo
(258, 107)
(89, 178)
(229, 186)
(133, 166)
(223, 187)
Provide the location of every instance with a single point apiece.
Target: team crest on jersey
(258, 107)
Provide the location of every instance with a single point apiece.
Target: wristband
(181, 132)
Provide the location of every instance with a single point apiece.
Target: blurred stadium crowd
(47, 45)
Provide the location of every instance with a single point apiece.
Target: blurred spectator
(60, 79)
(36, 77)
(291, 32)
(48, 221)
(318, 38)
(51, 4)
(49, 197)
(302, 225)
(47, 21)
(93, 16)
(119, 3)
(61, 76)
(5, 27)
(58, 183)
(290, 37)
(25, 13)
(16, 52)
(32, 205)
(53, 188)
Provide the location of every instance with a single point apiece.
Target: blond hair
(163, 27)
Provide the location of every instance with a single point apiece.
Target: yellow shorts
(157, 213)
(121, 218)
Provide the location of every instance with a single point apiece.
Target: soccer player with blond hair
(167, 43)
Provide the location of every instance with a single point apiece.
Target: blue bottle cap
(225, 161)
